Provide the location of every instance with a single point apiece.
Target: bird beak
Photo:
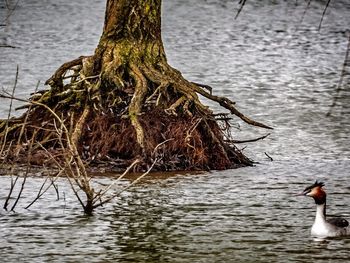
(300, 194)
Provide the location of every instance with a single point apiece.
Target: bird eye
(307, 191)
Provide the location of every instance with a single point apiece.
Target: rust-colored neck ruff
(319, 195)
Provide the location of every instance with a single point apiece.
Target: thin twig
(118, 179)
(53, 179)
(78, 173)
(251, 140)
(12, 10)
(228, 104)
(343, 72)
(100, 195)
(70, 173)
(38, 195)
(6, 45)
(56, 189)
(13, 184)
(76, 192)
(242, 3)
(42, 192)
(160, 144)
(304, 13)
(26, 118)
(323, 14)
(269, 157)
(108, 199)
(26, 173)
(9, 113)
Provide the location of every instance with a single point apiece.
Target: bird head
(316, 191)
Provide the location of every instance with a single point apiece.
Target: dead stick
(343, 72)
(269, 157)
(242, 3)
(125, 188)
(26, 119)
(13, 184)
(102, 193)
(9, 113)
(228, 104)
(323, 14)
(251, 140)
(26, 173)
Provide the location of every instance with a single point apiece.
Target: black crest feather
(316, 184)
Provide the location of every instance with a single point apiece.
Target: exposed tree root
(118, 105)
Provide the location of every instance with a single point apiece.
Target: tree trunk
(130, 46)
(126, 102)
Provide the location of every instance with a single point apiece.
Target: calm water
(279, 71)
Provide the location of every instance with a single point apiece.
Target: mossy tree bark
(126, 102)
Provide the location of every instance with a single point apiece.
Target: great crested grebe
(323, 227)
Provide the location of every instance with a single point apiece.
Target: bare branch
(228, 104)
(13, 184)
(26, 173)
(12, 10)
(241, 3)
(268, 156)
(251, 140)
(108, 199)
(6, 45)
(102, 193)
(9, 113)
(342, 74)
(323, 14)
(52, 179)
(304, 13)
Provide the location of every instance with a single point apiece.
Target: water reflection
(241, 215)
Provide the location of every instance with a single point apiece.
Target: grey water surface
(279, 70)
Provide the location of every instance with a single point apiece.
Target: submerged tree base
(105, 136)
(109, 141)
(115, 112)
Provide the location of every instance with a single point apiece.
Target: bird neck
(320, 197)
(320, 212)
